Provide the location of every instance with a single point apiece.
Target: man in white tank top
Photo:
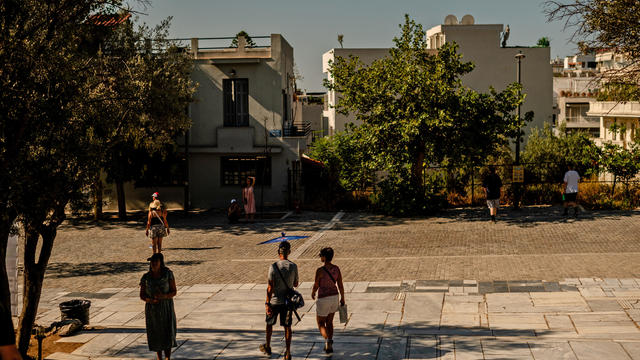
(570, 193)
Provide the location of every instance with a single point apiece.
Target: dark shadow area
(66, 270)
(531, 216)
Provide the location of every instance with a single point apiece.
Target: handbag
(342, 309)
(166, 233)
(294, 299)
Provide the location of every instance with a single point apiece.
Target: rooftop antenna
(505, 36)
(340, 39)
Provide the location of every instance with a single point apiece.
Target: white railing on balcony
(614, 108)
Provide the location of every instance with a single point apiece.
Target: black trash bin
(75, 309)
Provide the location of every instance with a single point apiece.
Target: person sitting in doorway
(234, 211)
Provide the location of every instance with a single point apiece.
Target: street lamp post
(516, 201)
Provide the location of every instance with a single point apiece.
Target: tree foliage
(414, 110)
(603, 24)
(62, 110)
(547, 155)
(543, 42)
(250, 42)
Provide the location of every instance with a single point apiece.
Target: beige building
(243, 125)
(624, 114)
(494, 66)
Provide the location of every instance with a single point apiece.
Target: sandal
(287, 356)
(265, 349)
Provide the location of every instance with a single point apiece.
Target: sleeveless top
(328, 287)
(154, 219)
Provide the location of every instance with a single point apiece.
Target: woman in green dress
(157, 289)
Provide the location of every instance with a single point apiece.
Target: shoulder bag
(294, 299)
(342, 309)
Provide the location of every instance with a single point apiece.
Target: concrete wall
(338, 121)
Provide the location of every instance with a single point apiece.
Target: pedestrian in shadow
(234, 212)
(157, 225)
(283, 276)
(492, 185)
(248, 200)
(328, 284)
(157, 289)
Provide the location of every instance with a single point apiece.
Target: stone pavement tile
(365, 322)
(239, 349)
(108, 343)
(360, 287)
(194, 295)
(197, 320)
(632, 348)
(199, 349)
(517, 321)
(139, 349)
(598, 350)
(423, 306)
(462, 304)
(552, 351)
(422, 347)
(367, 297)
(392, 348)
(251, 307)
(303, 285)
(634, 314)
(385, 284)
(97, 317)
(559, 300)
(446, 348)
(460, 320)
(613, 282)
(205, 288)
(343, 351)
(238, 295)
(468, 349)
(248, 286)
(509, 303)
(588, 281)
(393, 322)
(65, 356)
(627, 293)
(559, 322)
(261, 287)
(629, 282)
(120, 318)
(505, 349)
(370, 307)
(81, 337)
(591, 291)
(185, 306)
(599, 305)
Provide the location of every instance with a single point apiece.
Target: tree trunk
(613, 188)
(122, 205)
(417, 169)
(97, 198)
(34, 276)
(5, 229)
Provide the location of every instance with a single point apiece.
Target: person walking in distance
(282, 276)
(157, 223)
(492, 186)
(328, 284)
(570, 192)
(248, 199)
(157, 289)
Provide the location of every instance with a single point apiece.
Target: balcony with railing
(296, 130)
(614, 109)
(228, 48)
(582, 121)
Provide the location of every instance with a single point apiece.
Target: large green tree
(60, 110)
(415, 110)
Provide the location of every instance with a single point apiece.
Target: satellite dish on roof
(451, 20)
(467, 20)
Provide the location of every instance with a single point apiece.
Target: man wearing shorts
(280, 271)
(570, 193)
(492, 185)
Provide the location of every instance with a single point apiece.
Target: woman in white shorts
(328, 284)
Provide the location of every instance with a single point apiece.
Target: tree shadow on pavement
(530, 216)
(66, 270)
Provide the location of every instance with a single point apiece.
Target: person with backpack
(281, 298)
(328, 284)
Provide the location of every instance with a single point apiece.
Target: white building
(243, 125)
(494, 66)
(624, 114)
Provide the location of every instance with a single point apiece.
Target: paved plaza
(535, 285)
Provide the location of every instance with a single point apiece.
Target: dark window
(236, 169)
(236, 102)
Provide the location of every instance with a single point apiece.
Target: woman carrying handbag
(328, 284)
